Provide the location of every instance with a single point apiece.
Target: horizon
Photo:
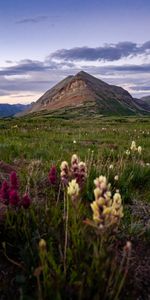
(41, 44)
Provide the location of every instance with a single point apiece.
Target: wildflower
(106, 210)
(4, 192)
(116, 177)
(42, 245)
(74, 165)
(111, 167)
(74, 142)
(101, 182)
(64, 172)
(26, 201)
(14, 181)
(133, 146)
(117, 208)
(74, 159)
(139, 149)
(73, 189)
(128, 246)
(82, 173)
(52, 175)
(13, 198)
(127, 152)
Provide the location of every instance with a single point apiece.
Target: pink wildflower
(4, 192)
(26, 201)
(13, 198)
(14, 181)
(52, 175)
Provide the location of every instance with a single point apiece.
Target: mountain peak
(82, 73)
(84, 90)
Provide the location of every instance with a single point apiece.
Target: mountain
(146, 99)
(9, 110)
(88, 94)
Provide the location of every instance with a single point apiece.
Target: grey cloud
(109, 52)
(22, 68)
(140, 88)
(33, 20)
(143, 68)
(26, 66)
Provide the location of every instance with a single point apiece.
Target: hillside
(9, 110)
(146, 99)
(87, 93)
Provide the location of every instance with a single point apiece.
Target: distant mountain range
(87, 95)
(146, 99)
(9, 110)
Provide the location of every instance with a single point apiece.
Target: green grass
(96, 264)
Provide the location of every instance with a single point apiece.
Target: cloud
(140, 88)
(124, 62)
(33, 20)
(109, 52)
(142, 68)
(27, 66)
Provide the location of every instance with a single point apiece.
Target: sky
(43, 41)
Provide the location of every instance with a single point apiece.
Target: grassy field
(55, 248)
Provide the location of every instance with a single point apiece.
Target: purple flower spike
(52, 175)
(26, 201)
(14, 181)
(4, 192)
(13, 198)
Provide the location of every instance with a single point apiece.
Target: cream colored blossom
(139, 149)
(116, 178)
(74, 159)
(133, 146)
(111, 167)
(101, 182)
(42, 245)
(73, 188)
(64, 165)
(106, 210)
(127, 152)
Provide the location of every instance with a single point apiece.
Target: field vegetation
(74, 208)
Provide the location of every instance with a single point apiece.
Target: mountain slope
(146, 99)
(84, 90)
(9, 110)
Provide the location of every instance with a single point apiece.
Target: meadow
(75, 208)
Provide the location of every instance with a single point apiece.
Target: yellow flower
(97, 193)
(107, 210)
(133, 146)
(73, 188)
(127, 152)
(42, 245)
(139, 149)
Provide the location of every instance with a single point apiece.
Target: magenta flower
(52, 175)
(4, 192)
(26, 201)
(13, 198)
(14, 181)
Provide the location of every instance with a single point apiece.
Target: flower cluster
(9, 193)
(107, 210)
(134, 149)
(73, 189)
(52, 175)
(77, 170)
